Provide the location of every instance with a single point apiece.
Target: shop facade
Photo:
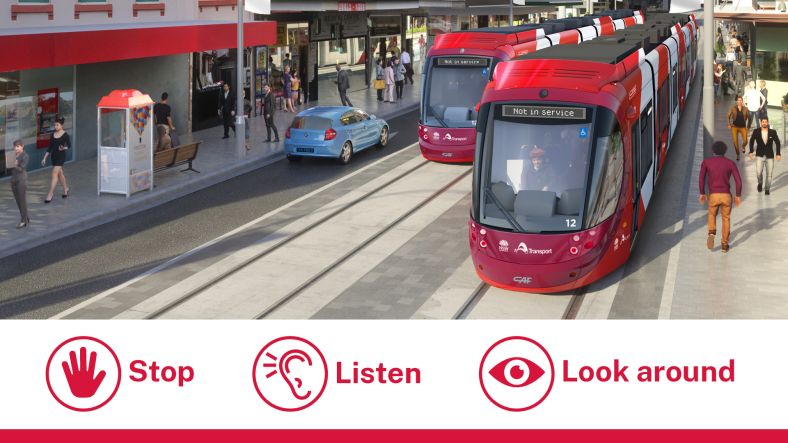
(40, 81)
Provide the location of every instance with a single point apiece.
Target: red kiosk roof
(128, 98)
(45, 50)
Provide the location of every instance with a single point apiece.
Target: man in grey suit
(19, 182)
(343, 84)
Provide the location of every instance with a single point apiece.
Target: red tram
(571, 140)
(460, 64)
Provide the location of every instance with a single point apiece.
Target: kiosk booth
(125, 143)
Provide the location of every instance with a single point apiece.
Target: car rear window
(310, 122)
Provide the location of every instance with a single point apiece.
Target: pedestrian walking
(19, 182)
(247, 116)
(763, 112)
(162, 118)
(766, 140)
(382, 50)
(227, 110)
(737, 123)
(408, 64)
(59, 144)
(343, 84)
(754, 101)
(295, 90)
(287, 62)
(268, 113)
(399, 76)
(718, 73)
(380, 78)
(422, 46)
(719, 170)
(287, 93)
(739, 77)
(389, 74)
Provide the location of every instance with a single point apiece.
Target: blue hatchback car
(333, 131)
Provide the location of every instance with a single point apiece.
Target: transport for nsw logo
(516, 374)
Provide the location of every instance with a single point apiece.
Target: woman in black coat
(59, 144)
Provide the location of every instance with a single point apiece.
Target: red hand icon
(80, 376)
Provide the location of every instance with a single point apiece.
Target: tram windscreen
(455, 86)
(551, 168)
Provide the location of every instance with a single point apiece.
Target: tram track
(334, 265)
(570, 312)
(319, 275)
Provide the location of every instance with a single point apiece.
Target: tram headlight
(483, 243)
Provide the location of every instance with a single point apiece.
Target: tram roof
(601, 52)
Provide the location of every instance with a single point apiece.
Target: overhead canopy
(44, 49)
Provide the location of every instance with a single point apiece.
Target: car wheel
(384, 137)
(346, 153)
(293, 158)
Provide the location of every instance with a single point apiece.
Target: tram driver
(538, 175)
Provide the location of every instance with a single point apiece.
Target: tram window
(675, 90)
(608, 172)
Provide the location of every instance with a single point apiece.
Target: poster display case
(125, 143)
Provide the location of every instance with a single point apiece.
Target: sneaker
(725, 247)
(760, 188)
(767, 192)
(710, 242)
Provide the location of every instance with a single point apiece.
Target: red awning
(32, 51)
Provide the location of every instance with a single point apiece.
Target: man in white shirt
(754, 101)
(407, 62)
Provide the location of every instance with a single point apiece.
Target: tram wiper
(506, 213)
(440, 120)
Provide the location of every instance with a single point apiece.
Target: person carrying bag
(380, 81)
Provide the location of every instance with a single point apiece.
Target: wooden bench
(179, 155)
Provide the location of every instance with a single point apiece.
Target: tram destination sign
(554, 112)
(463, 61)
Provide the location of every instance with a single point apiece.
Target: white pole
(511, 12)
(708, 74)
(240, 142)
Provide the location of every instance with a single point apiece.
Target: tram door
(635, 178)
(642, 163)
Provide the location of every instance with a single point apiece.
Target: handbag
(380, 84)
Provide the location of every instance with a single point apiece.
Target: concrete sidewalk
(217, 161)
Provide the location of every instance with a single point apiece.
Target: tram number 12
(571, 222)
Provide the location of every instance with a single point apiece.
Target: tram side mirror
(478, 105)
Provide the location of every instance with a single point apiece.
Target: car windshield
(455, 87)
(311, 122)
(551, 168)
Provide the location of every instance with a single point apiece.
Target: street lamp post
(240, 124)
(708, 75)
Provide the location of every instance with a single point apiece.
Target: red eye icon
(516, 372)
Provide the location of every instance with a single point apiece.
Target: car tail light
(287, 133)
(330, 134)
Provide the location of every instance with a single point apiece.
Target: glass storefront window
(29, 102)
(772, 65)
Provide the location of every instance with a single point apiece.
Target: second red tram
(571, 141)
(460, 64)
